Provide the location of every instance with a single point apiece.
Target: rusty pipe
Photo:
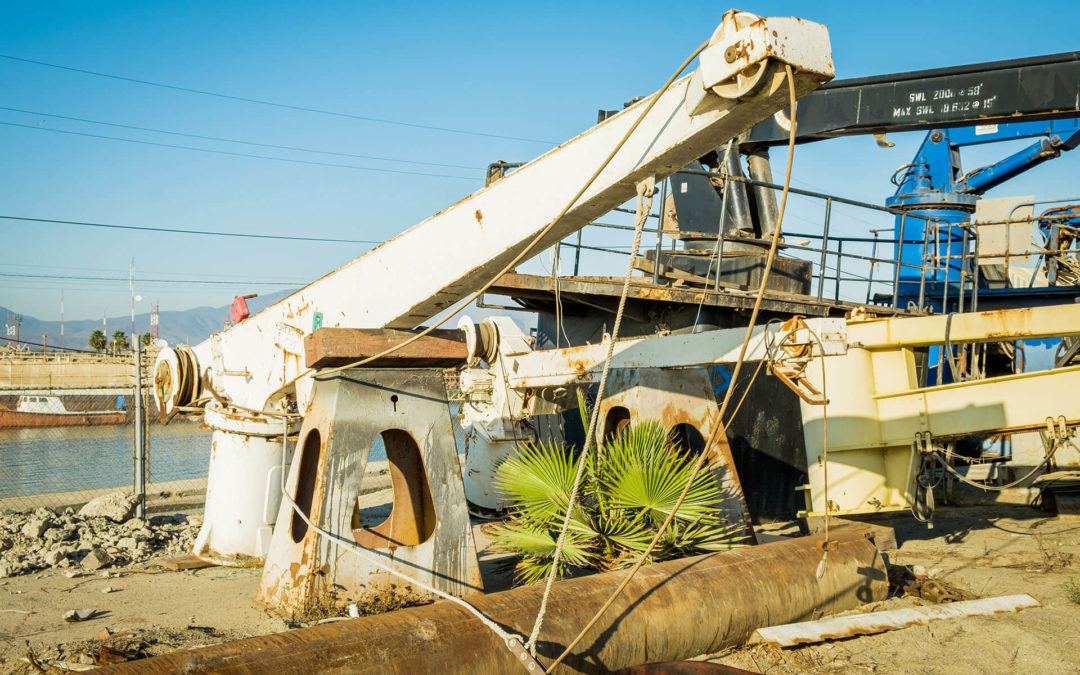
(671, 610)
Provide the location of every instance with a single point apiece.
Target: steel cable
(644, 208)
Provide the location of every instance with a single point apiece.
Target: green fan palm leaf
(537, 480)
(630, 485)
(644, 471)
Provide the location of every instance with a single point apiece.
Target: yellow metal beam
(998, 405)
(1002, 324)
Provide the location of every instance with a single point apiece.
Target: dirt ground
(987, 551)
(984, 550)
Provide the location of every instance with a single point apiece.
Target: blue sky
(534, 71)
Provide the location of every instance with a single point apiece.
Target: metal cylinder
(738, 212)
(764, 197)
(672, 610)
(242, 489)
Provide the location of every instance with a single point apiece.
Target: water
(67, 459)
(64, 459)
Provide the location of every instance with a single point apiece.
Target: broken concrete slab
(118, 507)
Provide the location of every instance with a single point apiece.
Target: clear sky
(534, 71)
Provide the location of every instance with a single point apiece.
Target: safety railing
(849, 269)
(958, 264)
(862, 262)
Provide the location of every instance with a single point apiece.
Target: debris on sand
(45, 539)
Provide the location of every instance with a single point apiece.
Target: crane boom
(256, 366)
(257, 357)
(1035, 88)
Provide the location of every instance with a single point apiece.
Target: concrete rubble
(116, 506)
(102, 537)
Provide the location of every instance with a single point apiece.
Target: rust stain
(673, 414)
(479, 216)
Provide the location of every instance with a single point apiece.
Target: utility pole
(131, 287)
(140, 439)
(61, 318)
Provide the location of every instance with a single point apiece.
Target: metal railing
(860, 269)
(845, 268)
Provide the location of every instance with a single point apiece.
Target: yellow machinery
(881, 425)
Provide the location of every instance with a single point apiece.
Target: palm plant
(630, 485)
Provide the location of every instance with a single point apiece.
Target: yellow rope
(536, 240)
(718, 426)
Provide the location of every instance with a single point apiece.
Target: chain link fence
(68, 435)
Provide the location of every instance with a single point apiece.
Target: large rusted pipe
(672, 610)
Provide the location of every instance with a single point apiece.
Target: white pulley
(481, 340)
(176, 380)
(746, 80)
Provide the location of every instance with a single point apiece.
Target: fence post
(140, 440)
(825, 251)
(839, 265)
(660, 233)
(896, 267)
(577, 253)
(873, 264)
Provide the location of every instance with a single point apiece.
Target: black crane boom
(1040, 87)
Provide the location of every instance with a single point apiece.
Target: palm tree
(119, 340)
(98, 340)
(147, 339)
(630, 485)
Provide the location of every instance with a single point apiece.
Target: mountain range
(190, 326)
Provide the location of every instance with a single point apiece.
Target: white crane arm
(436, 263)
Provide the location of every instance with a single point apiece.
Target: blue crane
(935, 188)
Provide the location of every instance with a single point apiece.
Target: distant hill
(190, 326)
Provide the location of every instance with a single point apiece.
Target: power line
(274, 104)
(233, 140)
(57, 269)
(197, 232)
(151, 281)
(236, 154)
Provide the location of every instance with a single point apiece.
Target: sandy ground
(987, 551)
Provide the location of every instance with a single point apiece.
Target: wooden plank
(184, 562)
(809, 632)
(332, 347)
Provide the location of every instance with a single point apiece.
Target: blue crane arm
(1046, 148)
(934, 176)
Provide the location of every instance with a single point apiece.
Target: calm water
(65, 459)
